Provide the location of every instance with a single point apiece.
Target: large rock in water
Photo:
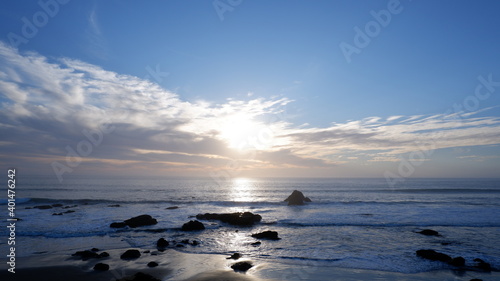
(268, 234)
(141, 221)
(434, 256)
(297, 198)
(242, 219)
(193, 226)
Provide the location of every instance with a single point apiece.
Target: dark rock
(162, 243)
(458, 262)
(268, 234)
(255, 244)
(85, 255)
(179, 246)
(234, 256)
(193, 226)
(72, 206)
(101, 267)
(141, 220)
(139, 276)
(152, 264)
(146, 252)
(69, 212)
(28, 208)
(114, 205)
(57, 214)
(185, 241)
(43, 207)
(482, 265)
(241, 266)
(195, 243)
(297, 198)
(118, 225)
(243, 219)
(172, 208)
(57, 205)
(130, 254)
(94, 250)
(429, 232)
(433, 255)
(103, 255)
(476, 279)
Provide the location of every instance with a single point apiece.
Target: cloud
(48, 105)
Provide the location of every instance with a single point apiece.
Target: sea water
(351, 223)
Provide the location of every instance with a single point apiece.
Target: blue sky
(186, 82)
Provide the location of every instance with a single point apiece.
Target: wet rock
(152, 264)
(433, 255)
(476, 279)
(172, 208)
(114, 205)
(297, 198)
(94, 250)
(57, 205)
(480, 264)
(69, 212)
(103, 255)
(185, 241)
(458, 262)
(180, 246)
(85, 255)
(195, 243)
(268, 234)
(162, 243)
(57, 214)
(234, 256)
(256, 244)
(130, 254)
(101, 267)
(241, 219)
(117, 225)
(139, 276)
(193, 226)
(241, 266)
(429, 232)
(141, 220)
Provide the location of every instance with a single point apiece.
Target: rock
(458, 262)
(234, 256)
(152, 264)
(69, 212)
(296, 198)
(43, 207)
(57, 205)
(162, 243)
(193, 226)
(85, 255)
(429, 232)
(103, 255)
(255, 244)
(94, 250)
(185, 241)
(101, 267)
(172, 208)
(241, 266)
(433, 255)
(268, 234)
(180, 246)
(114, 205)
(482, 265)
(57, 214)
(141, 220)
(130, 254)
(195, 243)
(118, 225)
(139, 276)
(242, 219)
(476, 279)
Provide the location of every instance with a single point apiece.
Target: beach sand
(175, 265)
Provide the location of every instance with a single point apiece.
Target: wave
(417, 225)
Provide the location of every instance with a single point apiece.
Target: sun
(240, 131)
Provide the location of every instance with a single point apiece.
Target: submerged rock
(162, 244)
(141, 220)
(429, 232)
(130, 254)
(433, 255)
(241, 266)
(43, 207)
(482, 265)
(152, 264)
(297, 198)
(234, 256)
(87, 254)
(458, 262)
(268, 234)
(193, 226)
(101, 267)
(172, 208)
(241, 219)
(117, 225)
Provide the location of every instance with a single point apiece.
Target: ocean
(351, 223)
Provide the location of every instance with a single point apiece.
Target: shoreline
(175, 265)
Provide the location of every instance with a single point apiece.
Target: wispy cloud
(46, 104)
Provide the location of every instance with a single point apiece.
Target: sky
(239, 88)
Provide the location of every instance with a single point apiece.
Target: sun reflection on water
(242, 190)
